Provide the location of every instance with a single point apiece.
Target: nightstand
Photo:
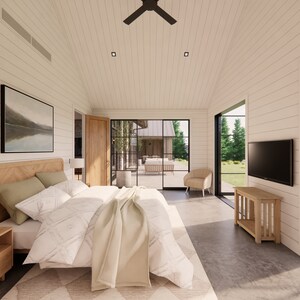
(6, 250)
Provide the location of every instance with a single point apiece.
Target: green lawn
(182, 161)
(227, 167)
(234, 179)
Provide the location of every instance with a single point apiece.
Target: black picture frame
(27, 123)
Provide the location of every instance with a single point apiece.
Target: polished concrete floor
(237, 267)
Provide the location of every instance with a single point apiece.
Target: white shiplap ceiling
(150, 71)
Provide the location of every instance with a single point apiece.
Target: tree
(122, 143)
(238, 141)
(179, 147)
(226, 147)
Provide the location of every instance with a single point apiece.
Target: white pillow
(72, 187)
(38, 206)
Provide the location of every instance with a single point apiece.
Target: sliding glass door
(152, 153)
(124, 154)
(230, 150)
(176, 152)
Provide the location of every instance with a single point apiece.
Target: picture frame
(27, 123)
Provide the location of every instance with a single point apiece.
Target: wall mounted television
(271, 160)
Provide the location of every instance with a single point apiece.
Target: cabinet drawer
(5, 259)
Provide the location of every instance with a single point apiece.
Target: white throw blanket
(120, 244)
(65, 237)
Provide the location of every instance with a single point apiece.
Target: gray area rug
(75, 283)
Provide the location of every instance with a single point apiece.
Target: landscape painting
(26, 123)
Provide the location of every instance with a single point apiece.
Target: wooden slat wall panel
(57, 82)
(262, 67)
(150, 71)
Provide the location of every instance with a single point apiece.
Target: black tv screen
(271, 160)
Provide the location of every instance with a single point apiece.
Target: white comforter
(65, 238)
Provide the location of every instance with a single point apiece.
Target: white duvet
(65, 237)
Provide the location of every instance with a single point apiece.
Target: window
(153, 153)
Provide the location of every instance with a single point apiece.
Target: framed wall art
(27, 124)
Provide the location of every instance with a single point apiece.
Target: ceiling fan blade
(135, 15)
(164, 15)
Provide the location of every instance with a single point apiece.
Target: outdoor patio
(154, 179)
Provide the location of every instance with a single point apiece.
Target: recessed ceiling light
(186, 54)
(114, 54)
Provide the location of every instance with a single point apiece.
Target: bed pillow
(13, 193)
(51, 178)
(72, 187)
(40, 205)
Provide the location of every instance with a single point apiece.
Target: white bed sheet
(23, 234)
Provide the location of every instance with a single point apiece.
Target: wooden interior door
(97, 152)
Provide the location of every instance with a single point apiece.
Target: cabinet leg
(277, 213)
(257, 210)
(236, 207)
(2, 278)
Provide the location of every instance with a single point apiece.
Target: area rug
(75, 284)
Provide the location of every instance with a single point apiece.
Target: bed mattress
(23, 234)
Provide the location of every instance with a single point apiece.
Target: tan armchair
(198, 179)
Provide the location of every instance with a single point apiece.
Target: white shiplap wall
(57, 82)
(198, 127)
(263, 66)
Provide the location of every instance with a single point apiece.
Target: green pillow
(51, 178)
(13, 193)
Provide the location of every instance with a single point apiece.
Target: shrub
(236, 162)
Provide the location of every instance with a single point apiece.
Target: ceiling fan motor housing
(150, 4)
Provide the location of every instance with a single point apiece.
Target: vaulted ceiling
(150, 70)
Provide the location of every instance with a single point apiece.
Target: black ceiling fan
(150, 5)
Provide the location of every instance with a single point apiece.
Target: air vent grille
(24, 34)
(40, 48)
(15, 25)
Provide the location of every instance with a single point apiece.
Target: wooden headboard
(16, 171)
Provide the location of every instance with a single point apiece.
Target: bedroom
(238, 50)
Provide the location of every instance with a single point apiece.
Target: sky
(184, 127)
(235, 113)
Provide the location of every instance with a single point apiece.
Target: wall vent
(15, 25)
(40, 48)
(24, 34)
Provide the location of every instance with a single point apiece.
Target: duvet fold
(120, 245)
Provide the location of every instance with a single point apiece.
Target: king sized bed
(122, 234)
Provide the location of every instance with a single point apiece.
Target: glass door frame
(188, 148)
(218, 152)
(137, 152)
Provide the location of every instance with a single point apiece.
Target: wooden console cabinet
(258, 212)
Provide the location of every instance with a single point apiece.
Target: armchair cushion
(199, 179)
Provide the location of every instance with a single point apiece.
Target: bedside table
(6, 250)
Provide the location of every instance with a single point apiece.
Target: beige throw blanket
(120, 246)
